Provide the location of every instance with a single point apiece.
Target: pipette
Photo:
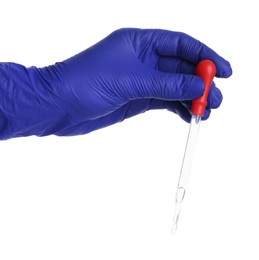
(206, 69)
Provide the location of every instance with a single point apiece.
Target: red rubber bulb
(206, 70)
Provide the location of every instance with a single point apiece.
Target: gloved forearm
(31, 101)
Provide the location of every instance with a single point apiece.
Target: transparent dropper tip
(178, 203)
(175, 223)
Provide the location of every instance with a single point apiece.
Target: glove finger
(183, 46)
(180, 110)
(206, 115)
(215, 97)
(161, 85)
(174, 65)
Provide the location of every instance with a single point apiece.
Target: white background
(110, 194)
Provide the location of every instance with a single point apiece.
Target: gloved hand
(127, 73)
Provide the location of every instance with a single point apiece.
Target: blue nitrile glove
(129, 72)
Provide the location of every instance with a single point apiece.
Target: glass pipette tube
(186, 167)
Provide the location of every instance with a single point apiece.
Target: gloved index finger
(183, 46)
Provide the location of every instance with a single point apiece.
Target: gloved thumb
(165, 86)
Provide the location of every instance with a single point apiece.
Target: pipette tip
(176, 217)
(174, 228)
